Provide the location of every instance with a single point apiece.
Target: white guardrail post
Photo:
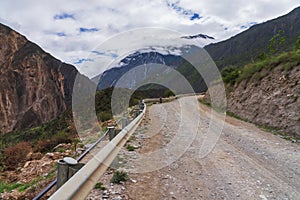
(80, 185)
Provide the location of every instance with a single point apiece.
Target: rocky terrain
(35, 87)
(272, 101)
(38, 171)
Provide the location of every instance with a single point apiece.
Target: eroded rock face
(273, 101)
(34, 86)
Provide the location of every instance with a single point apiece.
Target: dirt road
(246, 162)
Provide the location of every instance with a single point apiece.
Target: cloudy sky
(71, 30)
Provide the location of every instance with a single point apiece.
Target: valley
(250, 138)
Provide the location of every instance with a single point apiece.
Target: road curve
(245, 163)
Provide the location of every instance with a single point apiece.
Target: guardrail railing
(53, 183)
(80, 185)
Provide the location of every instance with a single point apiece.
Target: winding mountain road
(245, 163)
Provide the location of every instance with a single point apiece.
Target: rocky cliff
(272, 101)
(34, 86)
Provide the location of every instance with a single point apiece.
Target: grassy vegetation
(276, 131)
(204, 102)
(44, 138)
(234, 116)
(17, 144)
(59, 128)
(260, 69)
(100, 186)
(230, 74)
(130, 147)
(21, 187)
(119, 176)
(103, 98)
(216, 108)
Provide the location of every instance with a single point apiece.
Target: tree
(297, 45)
(276, 42)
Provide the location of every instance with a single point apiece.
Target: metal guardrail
(79, 185)
(53, 183)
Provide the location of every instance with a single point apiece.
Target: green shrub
(130, 148)
(104, 116)
(119, 176)
(297, 44)
(100, 186)
(230, 74)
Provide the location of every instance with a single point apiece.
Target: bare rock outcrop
(273, 101)
(34, 86)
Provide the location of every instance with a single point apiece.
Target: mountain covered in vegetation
(270, 37)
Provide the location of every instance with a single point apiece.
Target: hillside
(250, 44)
(35, 87)
(266, 93)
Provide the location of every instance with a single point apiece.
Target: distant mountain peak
(198, 36)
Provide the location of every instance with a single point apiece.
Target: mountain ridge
(239, 50)
(246, 46)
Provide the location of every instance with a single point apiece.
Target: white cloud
(55, 25)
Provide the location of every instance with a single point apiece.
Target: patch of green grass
(276, 131)
(130, 148)
(261, 68)
(231, 114)
(119, 176)
(51, 175)
(8, 187)
(201, 100)
(216, 108)
(21, 187)
(58, 130)
(100, 186)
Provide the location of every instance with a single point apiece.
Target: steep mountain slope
(246, 46)
(110, 77)
(34, 86)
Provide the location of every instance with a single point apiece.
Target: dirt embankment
(272, 101)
